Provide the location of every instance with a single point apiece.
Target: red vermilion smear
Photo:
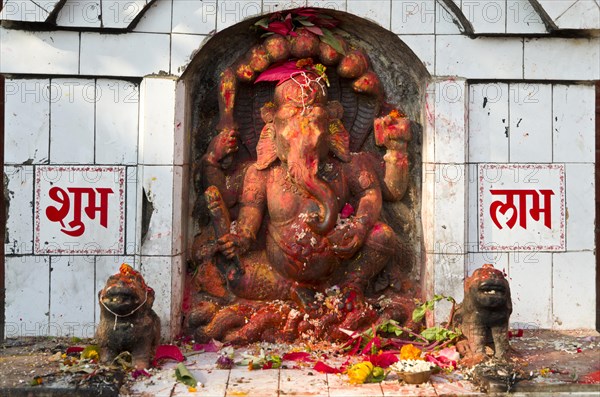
(592, 378)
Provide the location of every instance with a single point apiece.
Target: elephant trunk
(304, 172)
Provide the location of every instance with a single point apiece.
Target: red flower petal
(347, 211)
(279, 27)
(383, 360)
(74, 349)
(167, 352)
(210, 347)
(326, 369)
(297, 356)
(280, 72)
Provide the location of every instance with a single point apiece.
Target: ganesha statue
(298, 241)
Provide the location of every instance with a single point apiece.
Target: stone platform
(557, 363)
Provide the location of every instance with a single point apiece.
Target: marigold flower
(410, 352)
(360, 372)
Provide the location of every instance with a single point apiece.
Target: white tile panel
(127, 55)
(555, 8)
(269, 6)
(488, 122)
(28, 52)
(423, 45)
(80, 13)
(573, 118)
(23, 10)
(428, 205)
(480, 58)
(27, 296)
(157, 121)
(183, 49)
(445, 23)
(449, 208)
(27, 121)
(584, 14)
(449, 281)
(581, 206)
(157, 19)
(378, 11)
(487, 16)
(19, 222)
(158, 185)
(574, 296)
(428, 147)
(72, 299)
(450, 121)
(413, 17)
(230, 12)
(553, 59)
(120, 14)
(117, 104)
(195, 16)
(338, 5)
(522, 18)
(530, 123)
(131, 212)
(472, 209)
(181, 152)
(72, 121)
(483, 57)
(72, 214)
(475, 260)
(530, 279)
(156, 271)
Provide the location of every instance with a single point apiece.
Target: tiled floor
(299, 382)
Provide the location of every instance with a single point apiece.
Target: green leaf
(305, 22)
(263, 23)
(390, 326)
(438, 334)
(334, 42)
(185, 376)
(419, 313)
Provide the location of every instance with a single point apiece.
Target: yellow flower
(359, 373)
(192, 389)
(410, 352)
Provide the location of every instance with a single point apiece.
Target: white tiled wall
(19, 222)
(88, 121)
(112, 118)
(27, 296)
(116, 124)
(72, 121)
(27, 121)
(546, 123)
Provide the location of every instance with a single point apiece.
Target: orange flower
(410, 352)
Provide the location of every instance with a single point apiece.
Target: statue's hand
(231, 245)
(222, 145)
(347, 239)
(392, 131)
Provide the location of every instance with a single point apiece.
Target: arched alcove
(403, 78)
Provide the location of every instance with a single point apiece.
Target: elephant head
(301, 129)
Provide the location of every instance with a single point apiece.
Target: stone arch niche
(318, 209)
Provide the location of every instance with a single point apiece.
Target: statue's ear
(266, 151)
(339, 140)
(267, 112)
